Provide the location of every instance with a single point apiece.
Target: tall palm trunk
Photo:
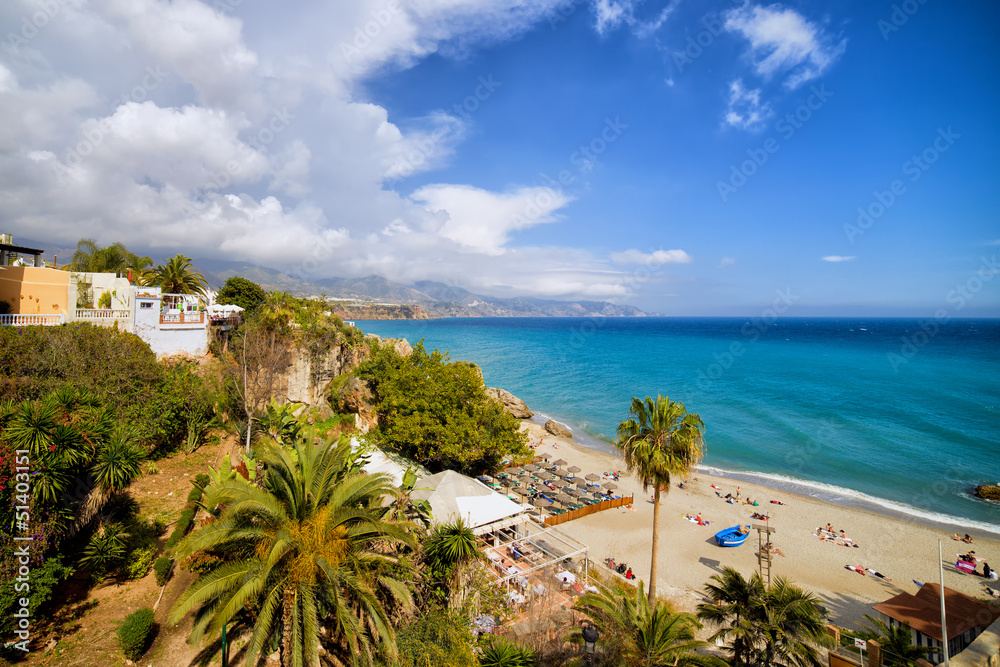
(288, 608)
(656, 546)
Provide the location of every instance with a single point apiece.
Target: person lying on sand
(877, 574)
(992, 593)
(777, 502)
(774, 550)
(857, 568)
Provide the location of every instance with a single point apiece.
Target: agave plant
(117, 463)
(106, 547)
(502, 652)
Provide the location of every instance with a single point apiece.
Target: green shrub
(437, 413)
(194, 495)
(44, 577)
(437, 638)
(135, 632)
(181, 528)
(202, 480)
(139, 562)
(162, 570)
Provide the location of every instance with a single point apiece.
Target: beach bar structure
(453, 496)
(966, 618)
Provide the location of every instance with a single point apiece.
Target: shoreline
(902, 548)
(820, 491)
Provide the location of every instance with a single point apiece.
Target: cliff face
(305, 380)
(317, 379)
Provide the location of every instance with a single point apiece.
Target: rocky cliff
(308, 377)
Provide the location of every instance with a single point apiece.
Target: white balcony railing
(31, 320)
(103, 314)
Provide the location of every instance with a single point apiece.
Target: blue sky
(691, 158)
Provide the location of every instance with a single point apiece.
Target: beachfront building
(538, 568)
(966, 618)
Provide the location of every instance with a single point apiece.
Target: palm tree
(643, 634)
(733, 607)
(776, 625)
(300, 551)
(659, 439)
(451, 550)
(177, 276)
(115, 258)
(898, 649)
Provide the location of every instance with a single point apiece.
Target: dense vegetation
(246, 294)
(438, 413)
(117, 369)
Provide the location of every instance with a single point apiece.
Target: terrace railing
(31, 320)
(103, 315)
(185, 317)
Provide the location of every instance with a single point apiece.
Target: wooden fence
(556, 519)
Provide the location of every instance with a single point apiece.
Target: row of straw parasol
(566, 494)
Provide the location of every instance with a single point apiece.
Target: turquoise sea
(899, 415)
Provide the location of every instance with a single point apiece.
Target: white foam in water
(838, 494)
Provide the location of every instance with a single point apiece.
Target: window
(145, 304)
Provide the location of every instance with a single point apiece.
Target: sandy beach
(902, 550)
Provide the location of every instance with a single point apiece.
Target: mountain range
(436, 299)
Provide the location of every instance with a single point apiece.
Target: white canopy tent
(454, 496)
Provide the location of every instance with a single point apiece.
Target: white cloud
(655, 258)
(202, 45)
(783, 42)
(744, 109)
(839, 258)
(482, 221)
(610, 14)
(195, 162)
(727, 261)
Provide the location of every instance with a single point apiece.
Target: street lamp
(590, 637)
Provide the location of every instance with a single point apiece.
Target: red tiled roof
(922, 611)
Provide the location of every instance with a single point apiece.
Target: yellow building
(35, 290)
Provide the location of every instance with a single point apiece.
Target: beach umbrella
(513, 470)
(531, 467)
(506, 481)
(581, 482)
(558, 462)
(563, 498)
(545, 475)
(611, 485)
(599, 496)
(560, 483)
(545, 456)
(521, 491)
(573, 469)
(560, 473)
(592, 477)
